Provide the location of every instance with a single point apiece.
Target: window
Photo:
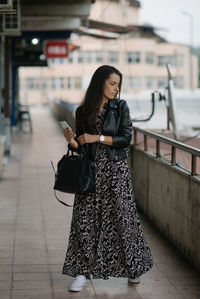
(163, 60)
(61, 61)
(53, 83)
(171, 60)
(44, 84)
(149, 82)
(149, 58)
(73, 57)
(93, 57)
(57, 83)
(133, 83)
(62, 83)
(112, 57)
(74, 83)
(99, 56)
(87, 57)
(55, 61)
(133, 57)
(52, 61)
(70, 58)
(162, 82)
(80, 57)
(178, 82)
(32, 83)
(180, 60)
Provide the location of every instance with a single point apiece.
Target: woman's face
(111, 86)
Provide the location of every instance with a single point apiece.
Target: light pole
(191, 46)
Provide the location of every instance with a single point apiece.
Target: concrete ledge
(2, 147)
(63, 110)
(170, 197)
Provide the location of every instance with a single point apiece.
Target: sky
(167, 15)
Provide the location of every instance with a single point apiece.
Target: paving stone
(6, 253)
(32, 284)
(30, 260)
(5, 276)
(56, 268)
(32, 294)
(5, 284)
(26, 276)
(6, 260)
(6, 268)
(21, 254)
(5, 294)
(30, 268)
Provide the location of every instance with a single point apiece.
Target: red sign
(56, 49)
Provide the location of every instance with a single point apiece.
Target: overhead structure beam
(47, 23)
(77, 9)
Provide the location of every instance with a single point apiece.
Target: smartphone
(64, 125)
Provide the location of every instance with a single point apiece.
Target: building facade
(141, 59)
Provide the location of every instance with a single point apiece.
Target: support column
(2, 99)
(7, 106)
(13, 94)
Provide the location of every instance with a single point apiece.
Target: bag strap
(65, 204)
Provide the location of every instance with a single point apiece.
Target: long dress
(106, 237)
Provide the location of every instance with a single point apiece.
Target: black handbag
(75, 174)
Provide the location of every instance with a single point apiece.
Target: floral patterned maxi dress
(106, 237)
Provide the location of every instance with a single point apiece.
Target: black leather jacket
(117, 124)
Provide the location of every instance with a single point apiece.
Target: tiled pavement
(34, 228)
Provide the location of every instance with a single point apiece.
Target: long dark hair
(94, 94)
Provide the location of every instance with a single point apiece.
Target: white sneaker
(78, 283)
(134, 280)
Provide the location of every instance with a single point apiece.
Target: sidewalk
(34, 230)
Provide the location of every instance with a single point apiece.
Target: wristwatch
(101, 138)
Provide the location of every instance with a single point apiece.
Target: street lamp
(191, 46)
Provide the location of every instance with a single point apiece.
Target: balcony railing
(194, 152)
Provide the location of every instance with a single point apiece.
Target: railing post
(194, 165)
(173, 159)
(135, 136)
(168, 117)
(157, 148)
(145, 143)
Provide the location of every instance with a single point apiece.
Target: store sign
(56, 49)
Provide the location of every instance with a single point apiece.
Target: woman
(106, 238)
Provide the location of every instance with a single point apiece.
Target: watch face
(102, 138)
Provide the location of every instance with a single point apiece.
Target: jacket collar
(112, 104)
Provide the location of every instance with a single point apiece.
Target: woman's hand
(69, 135)
(87, 138)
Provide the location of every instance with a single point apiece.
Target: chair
(23, 115)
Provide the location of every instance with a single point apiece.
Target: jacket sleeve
(78, 130)
(124, 134)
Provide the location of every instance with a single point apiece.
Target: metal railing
(174, 145)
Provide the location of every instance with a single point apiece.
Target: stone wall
(170, 197)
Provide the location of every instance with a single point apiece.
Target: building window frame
(133, 57)
(74, 83)
(149, 58)
(133, 83)
(113, 57)
(149, 82)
